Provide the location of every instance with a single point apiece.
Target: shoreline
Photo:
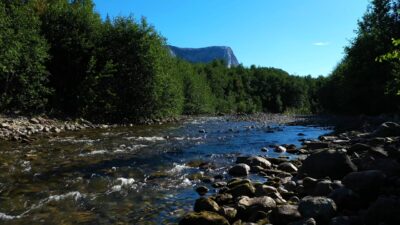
(344, 178)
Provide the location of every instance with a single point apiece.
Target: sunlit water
(138, 175)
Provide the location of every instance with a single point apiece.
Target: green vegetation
(60, 57)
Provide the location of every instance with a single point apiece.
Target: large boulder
(202, 218)
(285, 214)
(206, 204)
(239, 170)
(322, 209)
(366, 183)
(388, 129)
(384, 211)
(327, 163)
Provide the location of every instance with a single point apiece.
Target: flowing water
(137, 175)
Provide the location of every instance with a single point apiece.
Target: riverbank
(350, 177)
(24, 129)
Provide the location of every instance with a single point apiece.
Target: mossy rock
(203, 218)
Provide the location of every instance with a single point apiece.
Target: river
(127, 175)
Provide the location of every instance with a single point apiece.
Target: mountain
(205, 55)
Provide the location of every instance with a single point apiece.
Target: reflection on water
(139, 175)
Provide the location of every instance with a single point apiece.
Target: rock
(366, 183)
(287, 167)
(341, 220)
(387, 129)
(34, 121)
(322, 209)
(202, 131)
(202, 190)
(228, 212)
(323, 188)
(285, 214)
(301, 134)
(258, 161)
(202, 218)
(345, 199)
(247, 206)
(206, 204)
(219, 184)
(280, 149)
(223, 199)
(55, 130)
(245, 189)
(239, 170)
(312, 145)
(264, 149)
(331, 163)
(384, 210)
(360, 148)
(309, 221)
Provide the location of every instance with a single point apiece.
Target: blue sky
(301, 37)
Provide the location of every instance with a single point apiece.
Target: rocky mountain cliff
(205, 55)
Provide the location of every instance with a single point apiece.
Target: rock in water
(327, 163)
(322, 209)
(239, 170)
(203, 218)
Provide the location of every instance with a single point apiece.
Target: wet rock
(366, 183)
(202, 131)
(301, 134)
(387, 129)
(258, 217)
(223, 199)
(239, 170)
(258, 161)
(285, 214)
(322, 209)
(384, 210)
(264, 149)
(206, 204)
(280, 149)
(327, 163)
(390, 167)
(202, 218)
(309, 221)
(202, 190)
(287, 167)
(34, 121)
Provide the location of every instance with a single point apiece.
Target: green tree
(23, 52)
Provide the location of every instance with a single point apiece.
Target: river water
(136, 175)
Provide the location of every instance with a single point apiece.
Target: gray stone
(206, 204)
(287, 167)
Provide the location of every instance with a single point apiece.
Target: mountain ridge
(205, 54)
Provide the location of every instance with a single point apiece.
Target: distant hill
(205, 55)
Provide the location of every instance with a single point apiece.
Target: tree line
(59, 57)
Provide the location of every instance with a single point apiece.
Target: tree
(23, 52)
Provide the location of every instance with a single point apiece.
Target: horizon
(302, 39)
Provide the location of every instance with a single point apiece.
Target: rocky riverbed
(349, 178)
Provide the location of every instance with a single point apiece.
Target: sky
(302, 37)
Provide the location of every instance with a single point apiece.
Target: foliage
(23, 52)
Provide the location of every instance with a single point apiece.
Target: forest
(59, 57)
